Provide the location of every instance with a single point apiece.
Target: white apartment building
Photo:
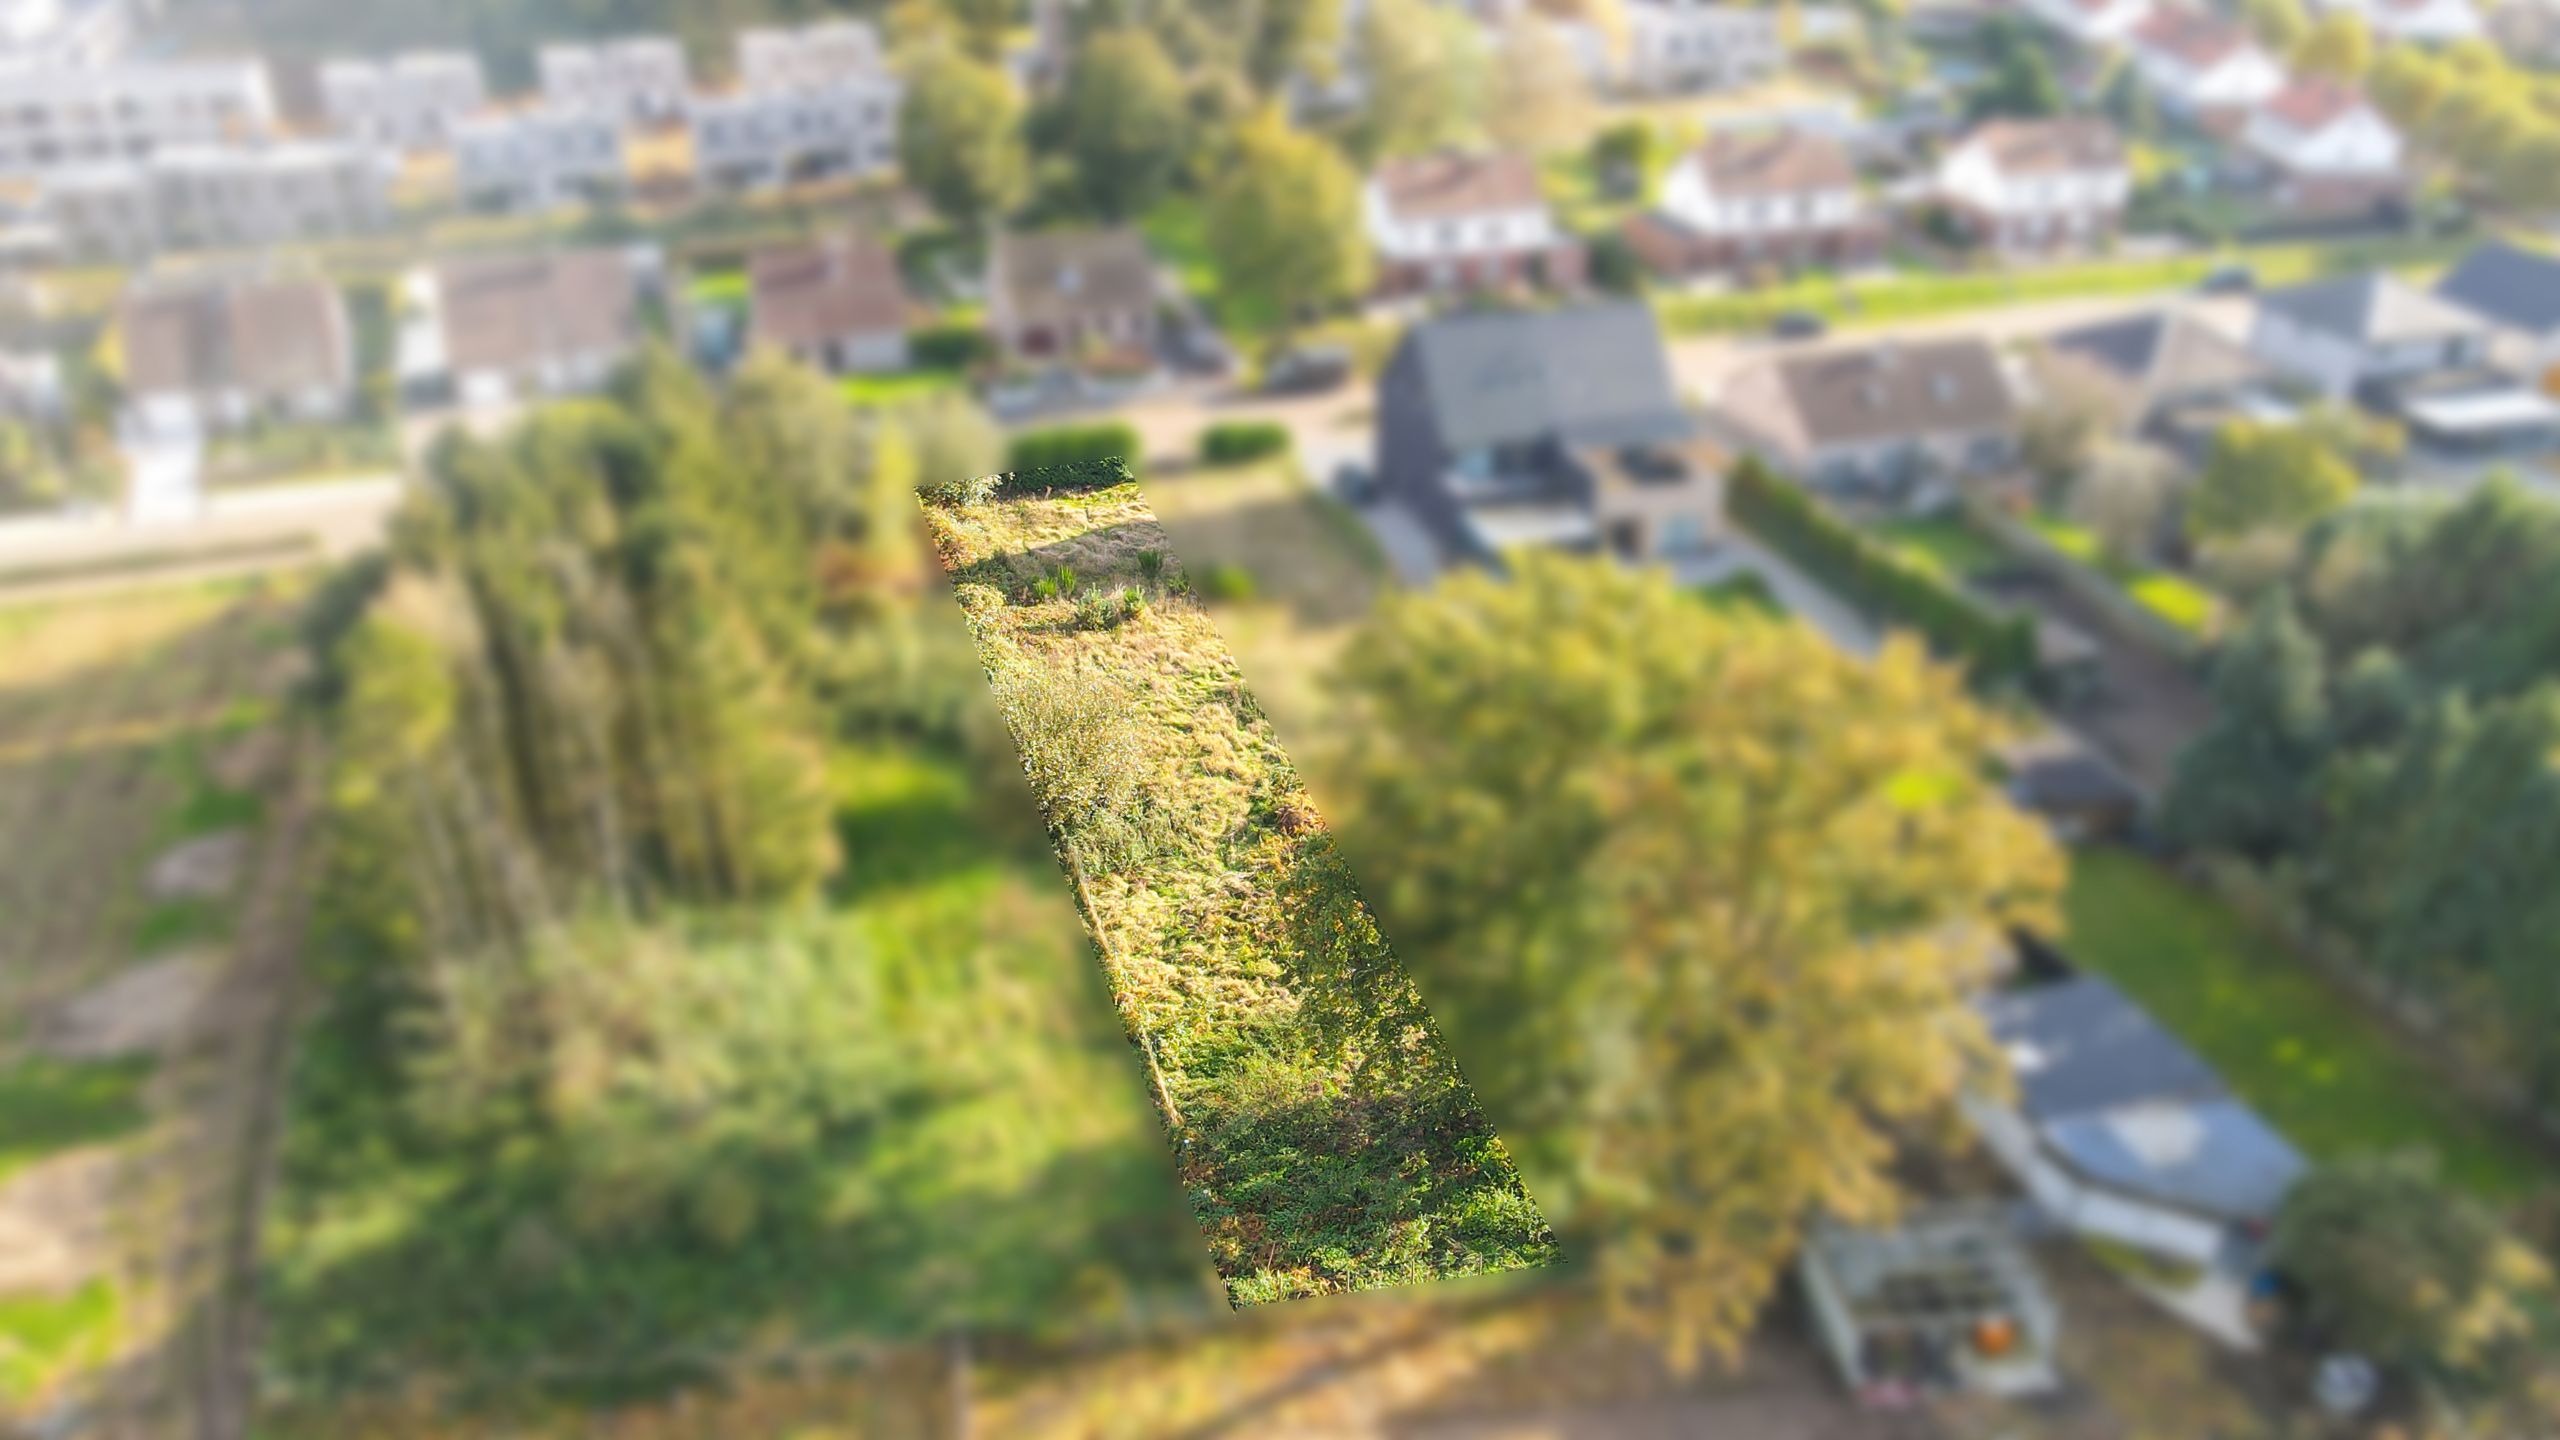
(219, 197)
(640, 79)
(55, 117)
(409, 102)
(1698, 45)
(64, 32)
(764, 138)
(538, 159)
(808, 57)
(2023, 186)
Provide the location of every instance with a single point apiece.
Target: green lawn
(718, 287)
(2332, 1080)
(45, 1337)
(1945, 544)
(1915, 294)
(49, 1106)
(1574, 191)
(2184, 604)
(898, 387)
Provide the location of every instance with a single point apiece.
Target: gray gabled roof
(2079, 1047)
(2161, 353)
(2373, 308)
(2507, 286)
(1593, 374)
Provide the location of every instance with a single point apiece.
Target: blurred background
(1926, 626)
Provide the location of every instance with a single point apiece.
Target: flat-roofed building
(409, 102)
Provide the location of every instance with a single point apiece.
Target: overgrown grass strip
(1326, 1140)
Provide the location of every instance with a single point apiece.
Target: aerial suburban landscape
(1400, 718)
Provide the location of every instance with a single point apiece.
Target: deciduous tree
(1284, 221)
(1423, 67)
(960, 137)
(2267, 477)
(1538, 99)
(1126, 122)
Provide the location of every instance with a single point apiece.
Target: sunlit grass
(43, 1338)
(51, 1106)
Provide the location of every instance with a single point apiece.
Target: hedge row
(1233, 442)
(1996, 646)
(949, 347)
(1074, 457)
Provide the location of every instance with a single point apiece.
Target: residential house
(837, 304)
(2203, 68)
(2345, 336)
(214, 352)
(1788, 198)
(410, 102)
(1900, 419)
(219, 197)
(1556, 428)
(539, 158)
(500, 330)
(67, 33)
(2527, 30)
(2415, 22)
(1058, 295)
(2120, 1133)
(56, 117)
(2324, 149)
(2517, 292)
(1688, 45)
(2092, 24)
(637, 80)
(2026, 186)
(2140, 367)
(808, 57)
(1453, 221)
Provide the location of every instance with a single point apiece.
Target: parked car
(1197, 348)
(1308, 371)
(1355, 483)
(1799, 325)
(2229, 280)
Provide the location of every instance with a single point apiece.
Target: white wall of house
(761, 138)
(1693, 45)
(1422, 241)
(2335, 364)
(1689, 197)
(537, 159)
(54, 117)
(2240, 81)
(218, 198)
(1973, 175)
(2097, 26)
(638, 79)
(412, 102)
(808, 56)
(2358, 142)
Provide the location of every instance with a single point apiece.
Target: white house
(2419, 22)
(65, 32)
(215, 351)
(538, 159)
(640, 79)
(1456, 221)
(1679, 45)
(220, 197)
(2120, 1133)
(2022, 186)
(2325, 149)
(2204, 68)
(56, 117)
(809, 56)
(1785, 197)
(2092, 24)
(410, 102)
(2339, 336)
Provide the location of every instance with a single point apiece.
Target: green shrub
(1081, 752)
(1151, 567)
(949, 347)
(1232, 583)
(1995, 647)
(959, 494)
(1074, 457)
(1234, 442)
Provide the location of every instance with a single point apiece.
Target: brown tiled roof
(1053, 275)
(2199, 39)
(2046, 147)
(1776, 162)
(1899, 391)
(806, 295)
(514, 313)
(266, 336)
(2313, 103)
(1431, 187)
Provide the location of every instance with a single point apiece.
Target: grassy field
(2332, 1080)
(1944, 544)
(1918, 295)
(1328, 1143)
(2174, 598)
(900, 387)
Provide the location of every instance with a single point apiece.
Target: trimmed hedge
(1233, 442)
(1995, 646)
(949, 347)
(1073, 457)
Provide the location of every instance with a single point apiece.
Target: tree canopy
(1424, 68)
(1284, 221)
(1698, 900)
(2267, 477)
(1126, 119)
(960, 136)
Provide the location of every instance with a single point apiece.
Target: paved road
(231, 534)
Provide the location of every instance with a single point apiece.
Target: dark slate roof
(2080, 1047)
(2217, 1157)
(1894, 392)
(1590, 375)
(2162, 352)
(2371, 308)
(2514, 288)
